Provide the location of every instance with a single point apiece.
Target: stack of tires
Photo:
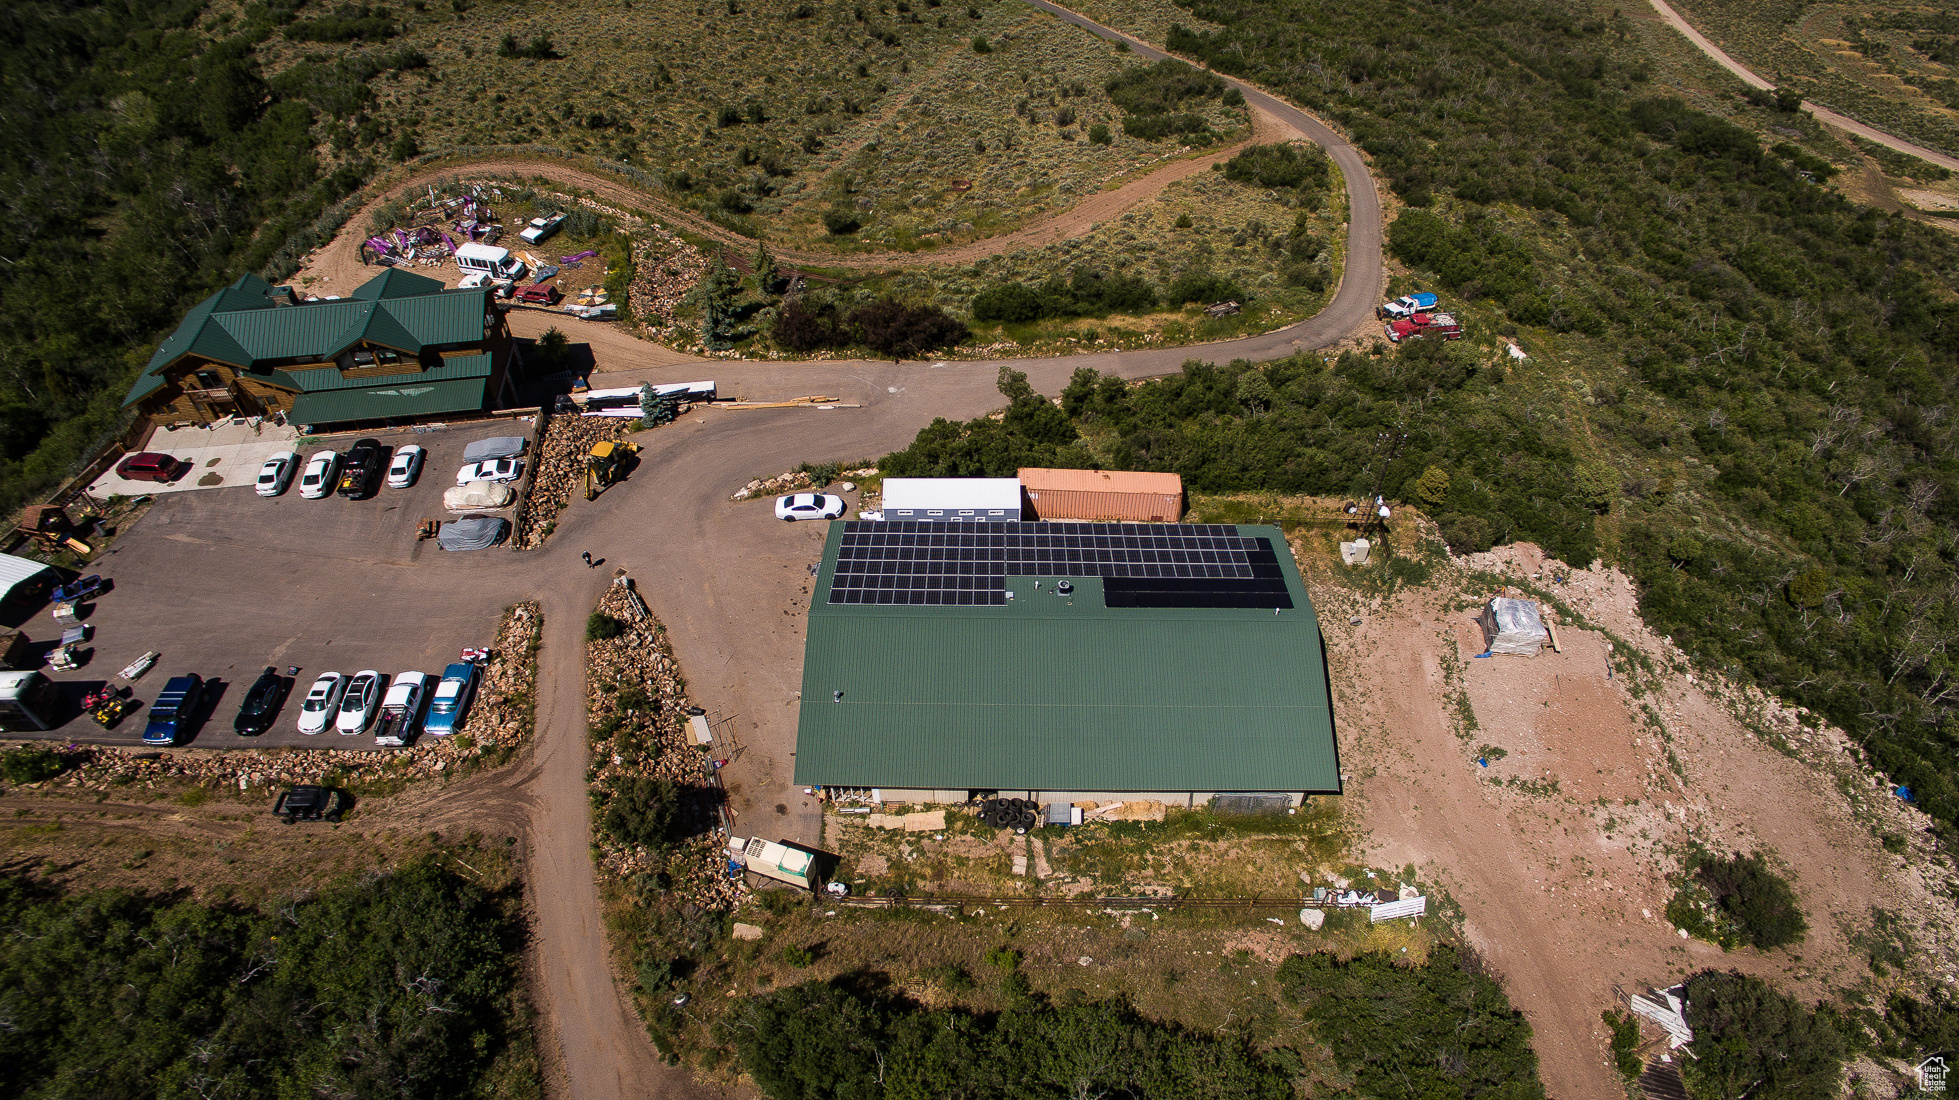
(1018, 814)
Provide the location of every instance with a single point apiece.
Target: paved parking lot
(224, 582)
(228, 453)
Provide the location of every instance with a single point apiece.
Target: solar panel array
(1142, 564)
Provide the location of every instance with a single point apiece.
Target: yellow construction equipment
(603, 466)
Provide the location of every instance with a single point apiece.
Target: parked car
(309, 803)
(318, 479)
(451, 700)
(496, 469)
(542, 294)
(541, 228)
(797, 506)
(261, 703)
(406, 467)
(276, 474)
(362, 470)
(321, 702)
(174, 709)
(358, 705)
(149, 466)
(401, 710)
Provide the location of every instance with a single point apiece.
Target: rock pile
(500, 720)
(560, 471)
(794, 481)
(650, 739)
(665, 269)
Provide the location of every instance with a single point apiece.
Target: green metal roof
(1053, 694)
(403, 396)
(240, 325)
(323, 379)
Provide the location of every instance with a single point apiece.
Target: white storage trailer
(952, 499)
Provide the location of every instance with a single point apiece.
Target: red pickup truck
(1423, 324)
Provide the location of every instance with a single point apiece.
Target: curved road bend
(1823, 114)
(730, 584)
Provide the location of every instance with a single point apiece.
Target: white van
(483, 259)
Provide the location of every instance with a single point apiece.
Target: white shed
(950, 499)
(15, 575)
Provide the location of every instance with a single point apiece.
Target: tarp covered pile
(1513, 626)
(503, 446)
(472, 533)
(477, 494)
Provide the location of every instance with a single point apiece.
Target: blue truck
(174, 709)
(451, 700)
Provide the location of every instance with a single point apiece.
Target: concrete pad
(230, 450)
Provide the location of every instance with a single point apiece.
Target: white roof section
(14, 570)
(951, 492)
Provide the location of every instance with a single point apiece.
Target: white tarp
(1513, 626)
(503, 446)
(472, 533)
(1407, 907)
(477, 494)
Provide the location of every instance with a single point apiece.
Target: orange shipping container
(1124, 496)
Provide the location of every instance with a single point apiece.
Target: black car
(309, 803)
(261, 703)
(361, 470)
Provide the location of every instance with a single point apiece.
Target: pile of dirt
(641, 656)
(560, 471)
(499, 720)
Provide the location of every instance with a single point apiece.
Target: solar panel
(922, 563)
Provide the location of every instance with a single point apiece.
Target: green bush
(1204, 288)
(1003, 958)
(1758, 905)
(841, 223)
(1625, 1043)
(1751, 1041)
(1283, 165)
(641, 811)
(981, 45)
(1161, 88)
(30, 764)
(1098, 134)
(600, 627)
(798, 956)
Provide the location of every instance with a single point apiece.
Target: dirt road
(1823, 114)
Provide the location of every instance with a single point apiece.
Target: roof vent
(1064, 587)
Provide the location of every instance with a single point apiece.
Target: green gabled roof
(372, 322)
(406, 396)
(1056, 695)
(396, 282)
(239, 325)
(326, 379)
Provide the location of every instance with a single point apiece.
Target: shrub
(801, 327)
(641, 811)
(981, 45)
(1003, 958)
(1625, 1043)
(841, 223)
(734, 202)
(30, 764)
(1758, 903)
(1158, 89)
(1158, 127)
(1750, 1040)
(892, 328)
(954, 978)
(1009, 302)
(539, 48)
(1204, 288)
(1281, 165)
(600, 627)
(1098, 134)
(727, 116)
(798, 955)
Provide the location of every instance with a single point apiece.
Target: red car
(149, 466)
(540, 294)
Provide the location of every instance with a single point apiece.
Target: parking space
(225, 582)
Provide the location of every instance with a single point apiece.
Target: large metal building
(1064, 661)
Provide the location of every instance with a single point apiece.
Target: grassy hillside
(1739, 384)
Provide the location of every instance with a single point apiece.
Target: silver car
(359, 706)
(321, 701)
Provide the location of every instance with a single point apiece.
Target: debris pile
(795, 481)
(638, 715)
(560, 471)
(500, 720)
(665, 270)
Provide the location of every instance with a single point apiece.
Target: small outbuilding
(1512, 626)
(952, 499)
(1102, 496)
(23, 580)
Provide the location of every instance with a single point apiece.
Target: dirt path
(1558, 851)
(1823, 114)
(338, 264)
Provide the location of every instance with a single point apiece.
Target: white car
(496, 469)
(317, 710)
(541, 228)
(406, 467)
(797, 506)
(322, 470)
(357, 706)
(401, 709)
(276, 474)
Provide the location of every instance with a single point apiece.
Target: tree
(1751, 1041)
(553, 350)
(893, 328)
(1254, 392)
(1432, 489)
(767, 278)
(1754, 899)
(715, 294)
